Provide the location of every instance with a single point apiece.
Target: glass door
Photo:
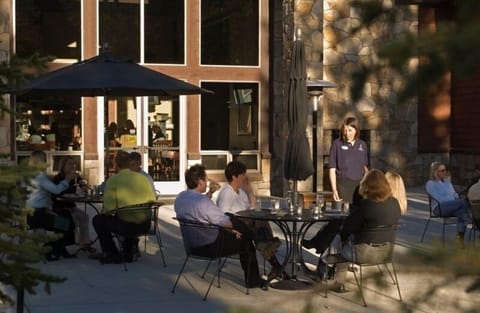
(164, 142)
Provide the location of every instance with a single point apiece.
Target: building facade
(240, 49)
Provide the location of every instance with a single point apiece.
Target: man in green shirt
(126, 188)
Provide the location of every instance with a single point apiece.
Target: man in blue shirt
(192, 204)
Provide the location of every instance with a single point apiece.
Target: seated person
(374, 205)
(474, 191)
(395, 181)
(440, 188)
(157, 134)
(128, 138)
(123, 189)
(237, 195)
(474, 195)
(378, 207)
(136, 166)
(112, 135)
(40, 200)
(475, 178)
(192, 204)
(66, 207)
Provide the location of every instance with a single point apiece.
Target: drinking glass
(291, 206)
(319, 201)
(258, 205)
(275, 206)
(299, 209)
(316, 211)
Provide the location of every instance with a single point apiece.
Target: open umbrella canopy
(298, 160)
(108, 75)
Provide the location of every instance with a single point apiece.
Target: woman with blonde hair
(376, 207)
(441, 189)
(398, 189)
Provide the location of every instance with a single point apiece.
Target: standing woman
(348, 161)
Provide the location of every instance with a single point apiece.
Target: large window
(48, 27)
(229, 122)
(120, 21)
(164, 31)
(230, 32)
(49, 123)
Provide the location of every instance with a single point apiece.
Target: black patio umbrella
(298, 161)
(107, 75)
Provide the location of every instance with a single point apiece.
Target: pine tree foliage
(21, 249)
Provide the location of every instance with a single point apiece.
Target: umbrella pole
(295, 193)
(314, 149)
(106, 141)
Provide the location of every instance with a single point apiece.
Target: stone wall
(333, 54)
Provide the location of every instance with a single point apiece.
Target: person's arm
(45, 183)
(248, 189)
(434, 191)
(332, 170)
(213, 186)
(452, 191)
(333, 182)
(228, 226)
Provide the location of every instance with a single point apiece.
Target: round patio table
(88, 200)
(294, 228)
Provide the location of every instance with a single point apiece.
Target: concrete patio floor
(146, 286)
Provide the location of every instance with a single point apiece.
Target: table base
(292, 284)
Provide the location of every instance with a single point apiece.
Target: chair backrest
(380, 250)
(137, 213)
(432, 204)
(196, 234)
(475, 204)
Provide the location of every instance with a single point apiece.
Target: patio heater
(315, 90)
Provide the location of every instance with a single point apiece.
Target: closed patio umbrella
(298, 161)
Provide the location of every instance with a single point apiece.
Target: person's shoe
(338, 287)
(331, 273)
(276, 272)
(111, 259)
(259, 283)
(285, 276)
(308, 244)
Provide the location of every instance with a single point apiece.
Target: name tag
(344, 147)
